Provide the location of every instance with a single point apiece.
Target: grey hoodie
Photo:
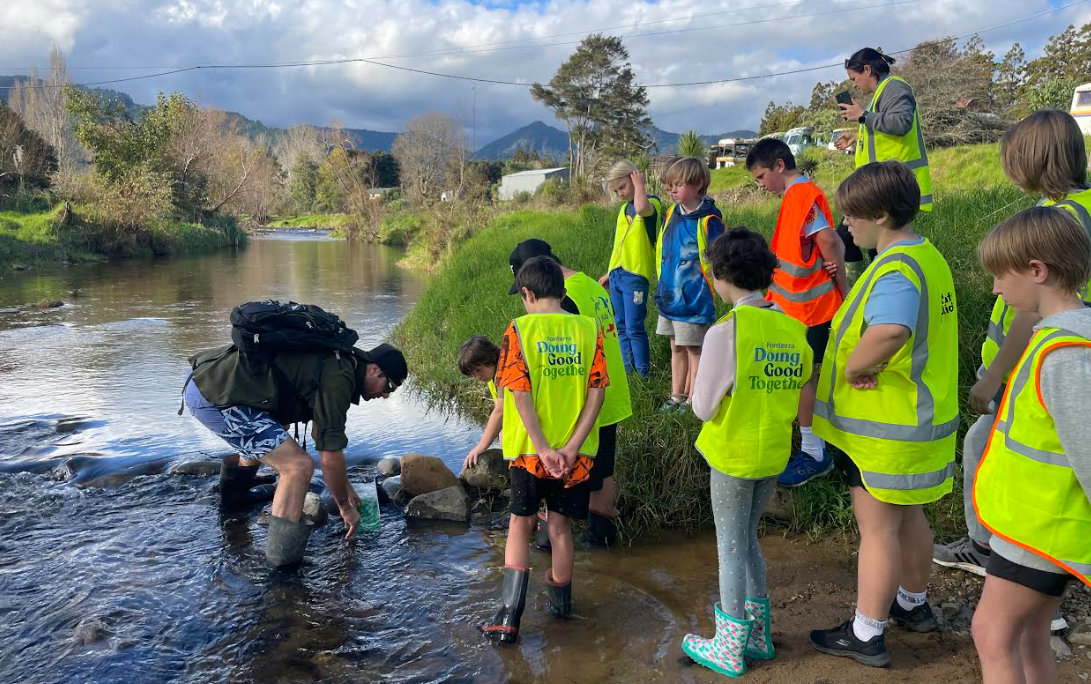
(1065, 377)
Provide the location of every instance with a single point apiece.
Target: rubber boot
(541, 535)
(560, 597)
(286, 543)
(722, 653)
(504, 626)
(237, 483)
(760, 645)
(601, 530)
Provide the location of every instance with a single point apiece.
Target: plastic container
(369, 507)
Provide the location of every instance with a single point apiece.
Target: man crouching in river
(249, 404)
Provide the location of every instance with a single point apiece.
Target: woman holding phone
(888, 128)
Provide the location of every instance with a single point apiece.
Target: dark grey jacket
(894, 110)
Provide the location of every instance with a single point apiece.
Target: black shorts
(817, 337)
(846, 466)
(1041, 581)
(527, 492)
(603, 466)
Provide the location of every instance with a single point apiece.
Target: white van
(1081, 107)
(799, 139)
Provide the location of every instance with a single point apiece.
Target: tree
(1064, 64)
(26, 160)
(780, 118)
(595, 94)
(691, 145)
(41, 104)
(1010, 76)
(431, 155)
(302, 180)
(301, 141)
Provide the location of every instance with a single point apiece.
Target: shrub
(554, 191)
(400, 229)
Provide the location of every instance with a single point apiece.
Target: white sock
(909, 600)
(813, 445)
(865, 628)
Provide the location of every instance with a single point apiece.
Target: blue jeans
(629, 297)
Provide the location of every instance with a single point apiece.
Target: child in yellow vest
(1033, 486)
(478, 358)
(553, 369)
(1044, 156)
(888, 398)
(755, 365)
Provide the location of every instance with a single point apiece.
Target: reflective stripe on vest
(908, 458)
(559, 350)
(1079, 203)
(593, 301)
(632, 249)
(751, 434)
(801, 286)
(908, 149)
(702, 248)
(1025, 490)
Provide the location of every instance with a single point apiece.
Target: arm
(584, 424)
(335, 475)
(552, 461)
(492, 431)
(832, 250)
(894, 112)
(1015, 343)
(716, 372)
(640, 197)
(878, 345)
(1063, 376)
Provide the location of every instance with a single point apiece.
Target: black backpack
(265, 328)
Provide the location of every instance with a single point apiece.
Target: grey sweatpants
(737, 506)
(973, 448)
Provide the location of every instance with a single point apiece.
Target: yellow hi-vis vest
(559, 350)
(492, 389)
(592, 300)
(1079, 203)
(632, 247)
(901, 434)
(751, 433)
(702, 247)
(908, 149)
(1024, 489)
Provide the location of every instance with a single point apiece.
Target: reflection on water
(183, 591)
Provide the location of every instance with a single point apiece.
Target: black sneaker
(841, 641)
(920, 619)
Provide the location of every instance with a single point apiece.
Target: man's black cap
(389, 359)
(524, 252)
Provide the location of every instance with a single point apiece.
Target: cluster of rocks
(36, 306)
(429, 490)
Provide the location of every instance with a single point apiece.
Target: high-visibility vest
(633, 250)
(492, 389)
(908, 149)
(702, 247)
(801, 286)
(1024, 489)
(901, 434)
(751, 433)
(1079, 203)
(593, 301)
(559, 350)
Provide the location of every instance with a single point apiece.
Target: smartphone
(844, 98)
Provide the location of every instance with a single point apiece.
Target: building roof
(535, 172)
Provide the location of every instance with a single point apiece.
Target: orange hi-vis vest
(801, 287)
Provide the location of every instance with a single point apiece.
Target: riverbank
(69, 234)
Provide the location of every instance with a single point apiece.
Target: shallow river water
(88, 398)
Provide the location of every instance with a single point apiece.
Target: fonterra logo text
(562, 357)
(781, 368)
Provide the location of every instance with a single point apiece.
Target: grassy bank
(40, 238)
(663, 480)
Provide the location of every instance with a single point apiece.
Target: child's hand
(570, 454)
(831, 268)
(605, 280)
(862, 380)
(471, 458)
(637, 179)
(982, 394)
(554, 463)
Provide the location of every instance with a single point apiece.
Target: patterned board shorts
(250, 432)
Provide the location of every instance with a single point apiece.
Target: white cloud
(165, 33)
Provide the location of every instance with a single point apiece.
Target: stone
(950, 609)
(490, 474)
(196, 468)
(451, 503)
(389, 467)
(9, 312)
(90, 631)
(424, 474)
(1082, 637)
(392, 489)
(1060, 648)
(49, 304)
(20, 267)
(315, 512)
(312, 504)
(506, 494)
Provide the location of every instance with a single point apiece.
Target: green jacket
(295, 387)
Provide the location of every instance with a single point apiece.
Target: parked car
(799, 139)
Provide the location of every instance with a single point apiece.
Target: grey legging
(737, 505)
(973, 448)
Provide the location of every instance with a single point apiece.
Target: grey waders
(286, 543)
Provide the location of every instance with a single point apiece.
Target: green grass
(36, 239)
(663, 481)
(334, 222)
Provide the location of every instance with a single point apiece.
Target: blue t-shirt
(816, 220)
(682, 293)
(894, 299)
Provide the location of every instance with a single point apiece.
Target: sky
(506, 40)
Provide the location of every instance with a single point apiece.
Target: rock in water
(90, 631)
(312, 503)
(49, 304)
(392, 489)
(451, 503)
(489, 475)
(389, 467)
(314, 511)
(424, 474)
(196, 468)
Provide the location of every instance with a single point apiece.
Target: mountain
(538, 137)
